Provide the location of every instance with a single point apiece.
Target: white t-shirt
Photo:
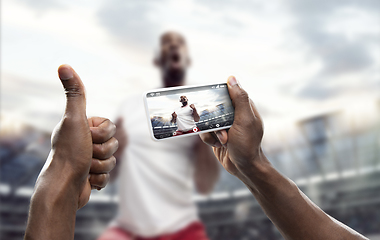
(185, 118)
(155, 179)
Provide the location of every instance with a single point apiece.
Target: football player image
(185, 117)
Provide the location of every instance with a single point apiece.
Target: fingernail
(232, 81)
(66, 73)
(219, 134)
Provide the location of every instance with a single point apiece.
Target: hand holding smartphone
(185, 111)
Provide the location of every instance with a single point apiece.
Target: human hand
(174, 115)
(239, 151)
(104, 146)
(192, 106)
(82, 149)
(239, 148)
(80, 159)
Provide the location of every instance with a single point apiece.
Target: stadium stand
(221, 115)
(336, 163)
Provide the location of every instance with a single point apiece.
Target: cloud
(202, 99)
(317, 90)
(241, 5)
(42, 5)
(141, 22)
(338, 54)
(32, 102)
(129, 21)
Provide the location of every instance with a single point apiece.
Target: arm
(174, 117)
(195, 113)
(80, 160)
(294, 215)
(206, 168)
(290, 210)
(121, 136)
(53, 207)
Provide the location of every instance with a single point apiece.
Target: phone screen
(185, 111)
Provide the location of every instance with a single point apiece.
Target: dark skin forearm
(174, 118)
(53, 207)
(80, 160)
(239, 151)
(288, 208)
(196, 115)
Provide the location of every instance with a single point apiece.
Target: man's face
(173, 55)
(183, 99)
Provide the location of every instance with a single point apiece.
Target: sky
(295, 58)
(164, 106)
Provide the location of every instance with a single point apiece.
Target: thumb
(240, 100)
(74, 89)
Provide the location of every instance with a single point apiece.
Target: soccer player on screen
(185, 117)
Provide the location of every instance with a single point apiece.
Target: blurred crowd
(350, 194)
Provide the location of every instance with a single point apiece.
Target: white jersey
(155, 179)
(185, 118)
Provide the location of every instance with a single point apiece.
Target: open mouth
(175, 61)
(175, 57)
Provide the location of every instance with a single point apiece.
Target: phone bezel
(176, 88)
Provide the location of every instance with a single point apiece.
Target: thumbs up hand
(80, 159)
(82, 149)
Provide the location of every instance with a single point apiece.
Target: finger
(210, 139)
(105, 150)
(102, 166)
(95, 187)
(102, 129)
(99, 180)
(74, 89)
(240, 100)
(222, 136)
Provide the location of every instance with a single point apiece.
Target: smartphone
(189, 110)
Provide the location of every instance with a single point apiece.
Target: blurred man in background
(156, 179)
